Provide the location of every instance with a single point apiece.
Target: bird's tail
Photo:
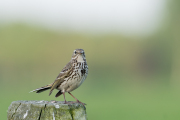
(42, 89)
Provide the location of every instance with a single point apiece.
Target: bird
(70, 78)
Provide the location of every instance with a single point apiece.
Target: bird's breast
(76, 78)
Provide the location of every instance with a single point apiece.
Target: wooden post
(45, 110)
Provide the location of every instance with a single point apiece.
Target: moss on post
(46, 110)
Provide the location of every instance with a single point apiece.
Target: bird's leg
(64, 98)
(76, 99)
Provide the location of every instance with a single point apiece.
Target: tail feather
(39, 90)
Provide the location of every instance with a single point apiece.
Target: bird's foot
(68, 102)
(53, 101)
(80, 102)
(65, 102)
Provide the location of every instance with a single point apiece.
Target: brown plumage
(71, 76)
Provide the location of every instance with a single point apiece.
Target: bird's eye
(75, 52)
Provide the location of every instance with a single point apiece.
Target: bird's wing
(62, 75)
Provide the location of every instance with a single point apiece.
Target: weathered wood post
(45, 110)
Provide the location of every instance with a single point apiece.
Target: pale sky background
(124, 16)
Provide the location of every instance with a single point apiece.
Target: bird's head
(79, 55)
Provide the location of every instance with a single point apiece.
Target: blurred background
(132, 50)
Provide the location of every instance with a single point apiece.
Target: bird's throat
(80, 59)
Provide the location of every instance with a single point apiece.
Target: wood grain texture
(45, 110)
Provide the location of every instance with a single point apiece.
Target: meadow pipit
(71, 76)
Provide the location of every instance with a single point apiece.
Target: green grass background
(130, 78)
